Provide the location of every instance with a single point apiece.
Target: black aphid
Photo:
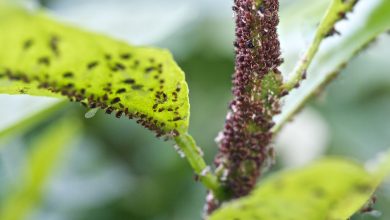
(129, 81)
(137, 87)
(27, 44)
(115, 100)
(122, 90)
(119, 114)
(126, 56)
(44, 61)
(54, 45)
(92, 65)
(109, 110)
(68, 75)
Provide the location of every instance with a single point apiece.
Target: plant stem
(194, 157)
(336, 12)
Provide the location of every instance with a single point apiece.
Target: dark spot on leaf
(119, 114)
(137, 87)
(109, 110)
(118, 66)
(107, 56)
(115, 100)
(126, 56)
(44, 61)
(119, 91)
(28, 44)
(129, 81)
(68, 75)
(54, 45)
(92, 65)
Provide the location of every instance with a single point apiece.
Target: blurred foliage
(331, 189)
(46, 151)
(120, 171)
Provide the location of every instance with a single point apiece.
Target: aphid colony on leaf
(128, 74)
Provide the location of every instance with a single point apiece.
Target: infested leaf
(331, 189)
(39, 56)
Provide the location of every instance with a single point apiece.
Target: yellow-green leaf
(331, 189)
(39, 56)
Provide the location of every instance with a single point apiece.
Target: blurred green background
(118, 170)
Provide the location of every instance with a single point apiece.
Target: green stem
(195, 158)
(335, 12)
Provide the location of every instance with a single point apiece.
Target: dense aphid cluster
(244, 142)
(109, 79)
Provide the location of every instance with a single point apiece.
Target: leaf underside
(332, 189)
(39, 56)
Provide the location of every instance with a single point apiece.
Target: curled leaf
(39, 56)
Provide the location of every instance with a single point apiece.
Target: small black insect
(119, 114)
(108, 56)
(44, 61)
(92, 65)
(149, 69)
(27, 44)
(137, 87)
(261, 9)
(109, 110)
(249, 44)
(122, 90)
(68, 75)
(54, 45)
(129, 81)
(126, 56)
(176, 119)
(118, 66)
(115, 100)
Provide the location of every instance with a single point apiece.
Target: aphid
(54, 44)
(69, 86)
(129, 81)
(249, 44)
(161, 109)
(92, 105)
(118, 66)
(68, 75)
(27, 44)
(261, 9)
(44, 61)
(332, 32)
(162, 81)
(126, 56)
(122, 90)
(155, 106)
(137, 87)
(92, 65)
(115, 100)
(105, 97)
(149, 69)
(109, 110)
(119, 114)
(108, 56)
(176, 119)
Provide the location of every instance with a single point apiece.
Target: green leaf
(20, 119)
(368, 20)
(331, 189)
(46, 153)
(39, 56)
